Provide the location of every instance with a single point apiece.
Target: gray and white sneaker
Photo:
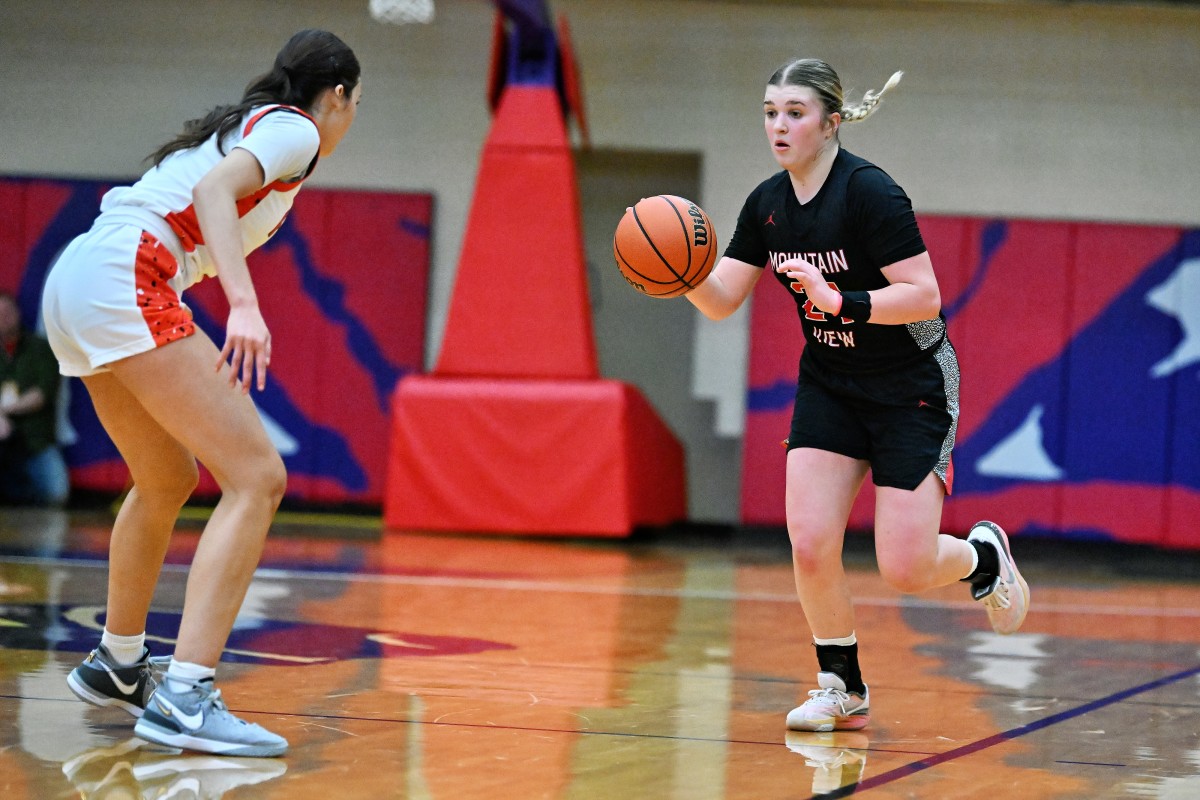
(1007, 597)
(101, 681)
(198, 719)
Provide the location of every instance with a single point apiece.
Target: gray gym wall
(1026, 108)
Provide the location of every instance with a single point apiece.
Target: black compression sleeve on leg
(989, 563)
(842, 660)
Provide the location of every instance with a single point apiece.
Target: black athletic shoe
(101, 682)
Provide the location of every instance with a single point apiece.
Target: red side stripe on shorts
(161, 310)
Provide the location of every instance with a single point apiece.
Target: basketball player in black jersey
(878, 381)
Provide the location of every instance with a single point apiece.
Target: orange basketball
(665, 246)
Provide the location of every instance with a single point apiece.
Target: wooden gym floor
(450, 668)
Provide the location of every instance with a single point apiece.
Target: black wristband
(856, 306)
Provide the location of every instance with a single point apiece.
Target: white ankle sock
(844, 641)
(974, 563)
(125, 650)
(182, 674)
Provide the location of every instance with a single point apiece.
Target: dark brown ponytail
(311, 61)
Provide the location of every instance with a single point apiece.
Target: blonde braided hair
(821, 78)
(866, 107)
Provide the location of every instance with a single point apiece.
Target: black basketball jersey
(858, 223)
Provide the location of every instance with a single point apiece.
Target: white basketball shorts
(108, 297)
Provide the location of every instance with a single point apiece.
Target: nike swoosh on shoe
(191, 722)
(125, 688)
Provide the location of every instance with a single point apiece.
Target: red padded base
(555, 457)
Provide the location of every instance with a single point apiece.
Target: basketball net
(401, 12)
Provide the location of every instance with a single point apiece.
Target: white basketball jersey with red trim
(284, 142)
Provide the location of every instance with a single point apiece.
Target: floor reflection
(837, 758)
(139, 771)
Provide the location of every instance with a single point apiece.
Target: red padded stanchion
(514, 432)
(520, 303)
(530, 456)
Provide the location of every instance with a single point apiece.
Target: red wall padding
(343, 288)
(1079, 345)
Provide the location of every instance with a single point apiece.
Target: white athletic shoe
(1007, 597)
(831, 707)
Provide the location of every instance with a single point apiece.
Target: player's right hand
(247, 348)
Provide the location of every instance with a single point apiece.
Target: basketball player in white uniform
(168, 396)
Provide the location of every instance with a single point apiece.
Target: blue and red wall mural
(1080, 351)
(343, 288)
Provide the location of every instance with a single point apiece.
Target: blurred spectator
(32, 470)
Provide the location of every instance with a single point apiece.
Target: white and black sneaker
(1007, 597)
(101, 681)
(198, 719)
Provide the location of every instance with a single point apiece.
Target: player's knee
(259, 477)
(905, 574)
(187, 479)
(172, 484)
(811, 550)
(272, 479)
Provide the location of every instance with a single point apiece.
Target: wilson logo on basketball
(664, 246)
(699, 227)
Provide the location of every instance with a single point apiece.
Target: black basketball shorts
(900, 421)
